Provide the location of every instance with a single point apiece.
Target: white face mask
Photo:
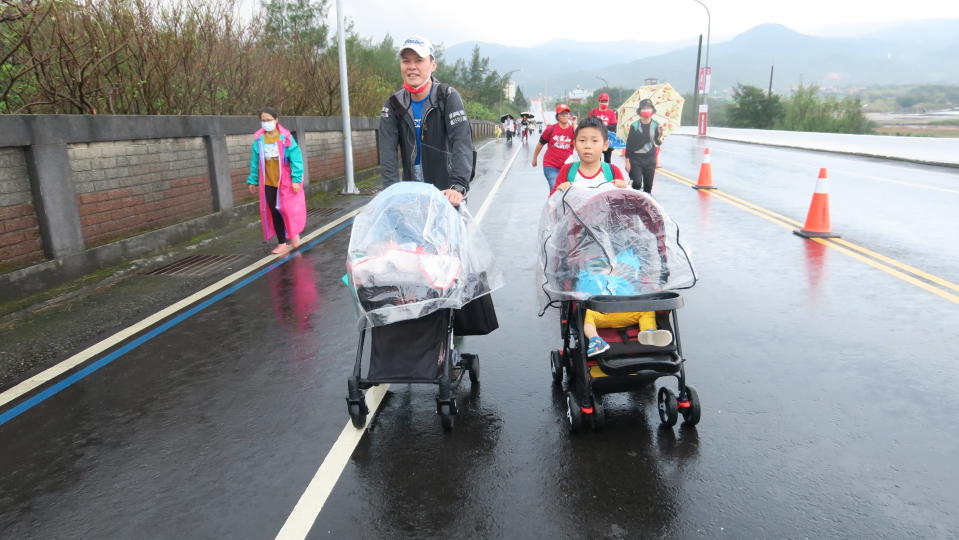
(268, 126)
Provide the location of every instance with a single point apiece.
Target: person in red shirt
(591, 140)
(608, 116)
(559, 137)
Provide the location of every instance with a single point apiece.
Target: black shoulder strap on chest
(442, 93)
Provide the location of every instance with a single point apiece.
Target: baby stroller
(613, 250)
(420, 273)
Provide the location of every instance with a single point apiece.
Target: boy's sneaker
(655, 338)
(597, 345)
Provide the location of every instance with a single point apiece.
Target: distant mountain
(540, 63)
(914, 52)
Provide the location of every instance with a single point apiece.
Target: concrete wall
(128, 187)
(80, 192)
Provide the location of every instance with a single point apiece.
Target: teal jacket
(289, 153)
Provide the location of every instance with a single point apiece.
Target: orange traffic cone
(705, 172)
(817, 221)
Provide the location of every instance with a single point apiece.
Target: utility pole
(699, 56)
(770, 92)
(704, 112)
(350, 186)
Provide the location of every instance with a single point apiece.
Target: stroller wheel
(574, 415)
(599, 412)
(668, 407)
(556, 367)
(446, 416)
(692, 413)
(357, 415)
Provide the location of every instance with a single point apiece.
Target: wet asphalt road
(828, 389)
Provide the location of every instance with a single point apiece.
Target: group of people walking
(424, 135)
(524, 127)
(562, 138)
(423, 130)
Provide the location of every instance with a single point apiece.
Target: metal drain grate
(372, 190)
(197, 265)
(323, 212)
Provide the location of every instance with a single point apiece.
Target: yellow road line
(838, 244)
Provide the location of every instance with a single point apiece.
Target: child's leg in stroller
(649, 335)
(596, 344)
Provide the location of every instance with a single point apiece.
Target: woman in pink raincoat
(276, 166)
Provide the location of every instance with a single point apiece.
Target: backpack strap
(607, 171)
(574, 168)
(443, 92)
(636, 125)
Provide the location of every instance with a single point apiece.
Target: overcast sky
(532, 22)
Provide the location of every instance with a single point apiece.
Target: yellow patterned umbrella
(669, 108)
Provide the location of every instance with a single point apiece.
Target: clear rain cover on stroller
(604, 240)
(412, 253)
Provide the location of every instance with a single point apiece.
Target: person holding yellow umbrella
(645, 136)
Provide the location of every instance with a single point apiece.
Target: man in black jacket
(427, 122)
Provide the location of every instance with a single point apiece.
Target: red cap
(604, 97)
(562, 107)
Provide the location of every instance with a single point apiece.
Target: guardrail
(927, 150)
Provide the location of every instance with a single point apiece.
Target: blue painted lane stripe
(66, 382)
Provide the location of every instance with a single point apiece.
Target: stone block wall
(20, 241)
(128, 187)
(238, 148)
(325, 151)
(81, 192)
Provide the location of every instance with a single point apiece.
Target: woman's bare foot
(280, 249)
(295, 241)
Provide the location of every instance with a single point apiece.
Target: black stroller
(613, 250)
(420, 276)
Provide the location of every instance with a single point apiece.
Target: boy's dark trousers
(641, 173)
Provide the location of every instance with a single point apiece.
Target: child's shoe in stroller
(597, 345)
(655, 338)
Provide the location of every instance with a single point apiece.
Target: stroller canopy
(604, 240)
(411, 253)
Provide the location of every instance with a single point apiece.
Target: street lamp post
(706, 68)
(605, 84)
(350, 186)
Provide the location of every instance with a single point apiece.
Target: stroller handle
(661, 301)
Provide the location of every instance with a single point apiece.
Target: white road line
(485, 145)
(84, 355)
(304, 514)
(301, 520)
